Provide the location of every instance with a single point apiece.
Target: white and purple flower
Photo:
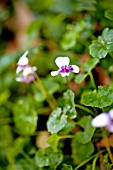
(24, 71)
(64, 67)
(104, 120)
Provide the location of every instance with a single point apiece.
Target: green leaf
(85, 123)
(4, 96)
(100, 48)
(56, 121)
(85, 5)
(68, 127)
(6, 137)
(109, 14)
(87, 67)
(80, 77)
(69, 104)
(90, 64)
(16, 149)
(53, 141)
(81, 152)
(47, 157)
(98, 98)
(68, 41)
(25, 117)
(66, 167)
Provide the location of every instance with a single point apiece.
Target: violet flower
(104, 120)
(24, 71)
(64, 67)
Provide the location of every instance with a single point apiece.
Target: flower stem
(84, 108)
(51, 100)
(107, 144)
(67, 81)
(66, 136)
(92, 80)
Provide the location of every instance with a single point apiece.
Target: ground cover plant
(56, 85)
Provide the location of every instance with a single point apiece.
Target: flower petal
(28, 70)
(111, 114)
(20, 79)
(62, 61)
(101, 120)
(54, 73)
(75, 69)
(110, 128)
(64, 74)
(18, 69)
(23, 60)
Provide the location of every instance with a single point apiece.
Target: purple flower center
(66, 69)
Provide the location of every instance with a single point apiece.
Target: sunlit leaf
(53, 141)
(56, 121)
(98, 98)
(47, 157)
(100, 48)
(25, 117)
(69, 104)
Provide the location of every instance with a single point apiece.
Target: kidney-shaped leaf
(98, 98)
(25, 117)
(85, 123)
(69, 105)
(56, 121)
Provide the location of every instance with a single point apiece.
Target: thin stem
(87, 160)
(51, 100)
(66, 136)
(67, 81)
(84, 108)
(94, 162)
(27, 157)
(107, 144)
(92, 80)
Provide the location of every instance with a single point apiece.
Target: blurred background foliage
(46, 29)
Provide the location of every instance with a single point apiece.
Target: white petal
(34, 68)
(110, 128)
(19, 79)
(101, 120)
(111, 114)
(27, 71)
(75, 69)
(18, 69)
(23, 60)
(65, 74)
(62, 61)
(54, 73)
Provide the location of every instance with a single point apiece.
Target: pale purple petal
(111, 114)
(101, 120)
(19, 69)
(110, 127)
(23, 60)
(54, 73)
(29, 70)
(62, 61)
(75, 69)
